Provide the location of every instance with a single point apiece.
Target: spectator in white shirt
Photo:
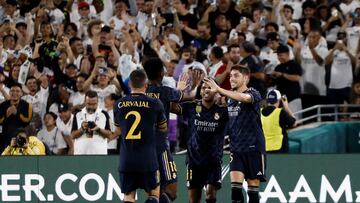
(342, 62)
(117, 21)
(353, 32)
(109, 106)
(77, 99)
(51, 135)
(37, 96)
(312, 57)
(349, 6)
(64, 124)
(91, 128)
(4, 91)
(107, 83)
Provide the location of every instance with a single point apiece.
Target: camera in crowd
(20, 141)
(91, 124)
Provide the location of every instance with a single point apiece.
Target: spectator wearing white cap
(275, 122)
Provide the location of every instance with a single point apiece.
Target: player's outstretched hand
(183, 82)
(213, 86)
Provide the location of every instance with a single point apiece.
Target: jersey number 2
(130, 135)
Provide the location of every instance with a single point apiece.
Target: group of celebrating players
(145, 159)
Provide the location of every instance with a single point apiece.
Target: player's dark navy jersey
(207, 128)
(138, 115)
(245, 127)
(166, 95)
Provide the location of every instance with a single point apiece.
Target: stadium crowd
(56, 56)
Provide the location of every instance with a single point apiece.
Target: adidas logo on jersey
(259, 173)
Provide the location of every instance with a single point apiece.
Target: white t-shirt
(353, 35)
(53, 139)
(313, 79)
(141, 19)
(38, 101)
(106, 14)
(2, 98)
(95, 144)
(349, 8)
(54, 108)
(118, 23)
(65, 128)
(341, 71)
(296, 5)
(113, 143)
(163, 54)
(102, 93)
(77, 98)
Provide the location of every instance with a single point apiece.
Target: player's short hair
(153, 68)
(242, 69)
(138, 78)
(91, 94)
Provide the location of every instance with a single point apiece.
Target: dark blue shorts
(167, 168)
(200, 176)
(130, 181)
(252, 164)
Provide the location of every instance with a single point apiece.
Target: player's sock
(164, 198)
(253, 192)
(236, 192)
(210, 200)
(152, 199)
(128, 202)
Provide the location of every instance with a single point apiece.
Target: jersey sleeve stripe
(166, 165)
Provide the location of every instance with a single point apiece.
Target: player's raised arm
(235, 95)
